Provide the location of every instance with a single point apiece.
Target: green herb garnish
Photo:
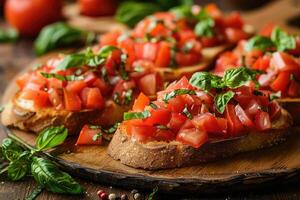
(136, 115)
(177, 92)
(221, 100)
(61, 77)
(187, 113)
(10, 35)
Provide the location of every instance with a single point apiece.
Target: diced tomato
(176, 104)
(235, 126)
(281, 82)
(267, 30)
(253, 107)
(226, 61)
(243, 117)
(33, 86)
(142, 133)
(262, 63)
(72, 101)
(103, 86)
(55, 83)
(209, 41)
(150, 51)
(92, 98)
(113, 61)
(158, 117)
(193, 137)
(293, 89)
(234, 20)
(56, 98)
(164, 55)
(284, 62)
(110, 38)
(141, 102)
(22, 80)
(164, 135)
(139, 50)
(186, 59)
(262, 121)
(176, 122)
(210, 124)
(40, 98)
(87, 136)
(213, 10)
(75, 86)
(89, 78)
(127, 46)
(150, 83)
(234, 35)
(274, 110)
(183, 83)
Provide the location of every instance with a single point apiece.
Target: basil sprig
(205, 26)
(136, 115)
(9, 35)
(279, 40)
(61, 77)
(233, 78)
(48, 176)
(58, 35)
(177, 92)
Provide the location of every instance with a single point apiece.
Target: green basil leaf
(136, 115)
(51, 137)
(234, 78)
(260, 43)
(153, 193)
(61, 77)
(206, 81)
(54, 180)
(221, 100)
(153, 105)
(10, 35)
(11, 151)
(72, 61)
(18, 168)
(33, 195)
(178, 92)
(128, 96)
(205, 25)
(283, 40)
(183, 11)
(130, 13)
(187, 113)
(275, 95)
(57, 35)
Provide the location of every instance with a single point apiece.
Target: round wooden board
(248, 170)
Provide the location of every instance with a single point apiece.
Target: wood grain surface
(13, 57)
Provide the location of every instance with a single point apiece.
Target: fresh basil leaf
(10, 35)
(177, 92)
(61, 77)
(130, 13)
(275, 95)
(221, 100)
(54, 180)
(260, 43)
(35, 193)
(72, 61)
(128, 96)
(57, 35)
(153, 193)
(206, 81)
(18, 168)
(183, 11)
(188, 46)
(112, 129)
(234, 78)
(11, 151)
(136, 115)
(205, 25)
(51, 137)
(187, 113)
(153, 105)
(283, 40)
(97, 136)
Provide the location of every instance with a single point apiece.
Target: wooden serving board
(248, 170)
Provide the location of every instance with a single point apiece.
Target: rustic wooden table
(14, 57)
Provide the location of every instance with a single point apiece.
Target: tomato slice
(210, 124)
(186, 59)
(87, 134)
(148, 84)
(164, 55)
(243, 117)
(293, 89)
(150, 51)
(92, 98)
(141, 102)
(281, 82)
(234, 35)
(142, 133)
(89, 78)
(176, 122)
(158, 117)
(284, 62)
(234, 20)
(56, 98)
(40, 98)
(274, 110)
(252, 108)
(235, 126)
(22, 80)
(193, 137)
(226, 61)
(262, 121)
(72, 101)
(75, 86)
(267, 30)
(262, 63)
(110, 38)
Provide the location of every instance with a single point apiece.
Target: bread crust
(292, 105)
(163, 155)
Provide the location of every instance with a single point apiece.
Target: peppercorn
(137, 196)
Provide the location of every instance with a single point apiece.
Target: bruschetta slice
(201, 120)
(179, 42)
(276, 54)
(87, 87)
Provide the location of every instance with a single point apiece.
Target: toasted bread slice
(162, 155)
(15, 115)
(292, 105)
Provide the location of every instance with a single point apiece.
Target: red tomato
(252, 108)
(149, 83)
(89, 78)
(176, 122)
(55, 83)
(284, 62)
(262, 63)
(75, 86)
(281, 82)
(164, 55)
(234, 20)
(262, 121)
(110, 38)
(127, 46)
(142, 133)
(209, 41)
(141, 102)
(226, 61)
(30, 16)
(113, 61)
(192, 137)
(186, 59)
(22, 80)
(234, 35)
(87, 136)
(176, 104)
(164, 135)
(40, 98)
(98, 7)
(274, 109)
(158, 117)
(102, 85)
(209, 123)
(139, 50)
(267, 30)
(293, 89)
(56, 98)
(92, 98)
(235, 126)
(243, 117)
(150, 51)
(72, 101)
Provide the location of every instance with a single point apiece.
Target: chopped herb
(205, 25)
(61, 77)
(128, 96)
(260, 43)
(221, 100)
(188, 46)
(104, 74)
(153, 105)
(283, 40)
(112, 129)
(136, 115)
(153, 193)
(116, 98)
(10, 35)
(97, 136)
(187, 113)
(178, 92)
(276, 95)
(162, 127)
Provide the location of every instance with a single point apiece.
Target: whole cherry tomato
(30, 16)
(98, 7)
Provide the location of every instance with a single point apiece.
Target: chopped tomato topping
(89, 136)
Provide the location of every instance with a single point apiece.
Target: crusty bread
(292, 105)
(36, 120)
(162, 155)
